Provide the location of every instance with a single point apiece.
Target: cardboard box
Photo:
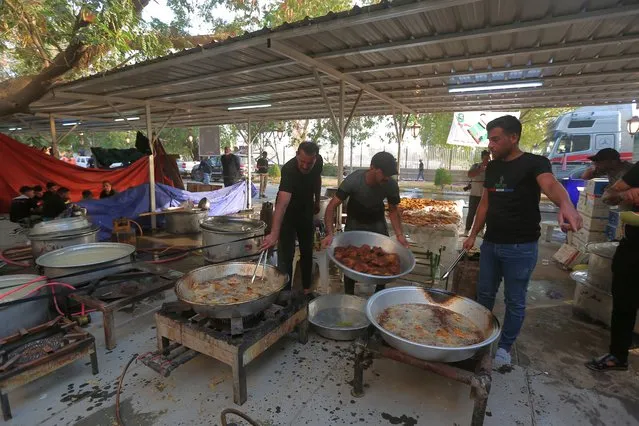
(596, 186)
(594, 223)
(587, 236)
(593, 206)
(569, 256)
(613, 217)
(614, 233)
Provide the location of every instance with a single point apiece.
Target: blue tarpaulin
(134, 201)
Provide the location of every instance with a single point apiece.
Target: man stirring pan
(366, 191)
(297, 202)
(509, 207)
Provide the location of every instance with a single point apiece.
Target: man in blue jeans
(509, 208)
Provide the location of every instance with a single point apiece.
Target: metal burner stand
(182, 335)
(74, 343)
(93, 296)
(475, 372)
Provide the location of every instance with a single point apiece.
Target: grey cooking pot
(60, 233)
(184, 222)
(232, 237)
(22, 315)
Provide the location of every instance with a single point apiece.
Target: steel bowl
(338, 316)
(480, 316)
(388, 244)
(272, 278)
(86, 262)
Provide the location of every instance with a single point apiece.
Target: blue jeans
(206, 178)
(515, 264)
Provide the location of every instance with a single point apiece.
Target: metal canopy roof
(402, 56)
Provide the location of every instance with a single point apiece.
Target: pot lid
(60, 226)
(606, 250)
(9, 282)
(85, 255)
(232, 225)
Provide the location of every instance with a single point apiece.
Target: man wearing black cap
(607, 162)
(366, 191)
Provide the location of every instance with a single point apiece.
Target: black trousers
(230, 181)
(473, 203)
(625, 298)
(303, 230)
(378, 227)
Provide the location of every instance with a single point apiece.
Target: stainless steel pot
(389, 245)
(186, 222)
(233, 237)
(470, 309)
(324, 200)
(338, 316)
(60, 233)
(22, 315)
(274, 279)
(98, 260)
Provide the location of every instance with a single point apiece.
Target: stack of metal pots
(231, 237)
(60, 233)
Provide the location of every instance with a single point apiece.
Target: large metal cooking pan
(98, 260)
(480, 316)
(389, 245)
(274, 279)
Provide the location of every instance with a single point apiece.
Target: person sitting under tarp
(55, 204)
(52, 190)
(22, 205)
(87, 194)
(107, 190)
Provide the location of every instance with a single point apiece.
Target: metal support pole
(149, 134)
(54, 140)
(249, 167)
(340, 152)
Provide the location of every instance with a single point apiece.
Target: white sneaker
(502, 357)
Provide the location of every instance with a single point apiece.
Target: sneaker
(502, 357)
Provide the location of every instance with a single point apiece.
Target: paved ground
(294, 384)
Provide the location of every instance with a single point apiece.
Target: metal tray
(472, 310)
(338, 316)
(388, 244)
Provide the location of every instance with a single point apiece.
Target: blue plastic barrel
(574, 188)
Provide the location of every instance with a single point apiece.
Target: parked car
(185, 166)
(82, 161)
(216, 165)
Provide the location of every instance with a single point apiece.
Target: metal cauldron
(274, 279)
(338, 316)
(324, 200)
(86, 262)
(60, 233)
(389, 245)
(184, 221)
(231, 237)
(480, 316)
(25, 315)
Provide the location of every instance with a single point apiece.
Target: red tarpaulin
(22, 165)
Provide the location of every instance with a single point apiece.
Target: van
(82, 161)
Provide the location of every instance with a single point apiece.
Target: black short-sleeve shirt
(513, 199)
(632, 179)
(302, 187)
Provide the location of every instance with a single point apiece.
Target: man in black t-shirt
(107, 190)
(297, 202)
(262, 170)
(22, 205)
(510, 209)
(625, 285)
(366, 191)
(230, 167)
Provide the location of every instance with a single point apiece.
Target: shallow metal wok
(388, 244)
(274, 279)
(480, 316)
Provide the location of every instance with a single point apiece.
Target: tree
(435, 128)
(534, 123)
